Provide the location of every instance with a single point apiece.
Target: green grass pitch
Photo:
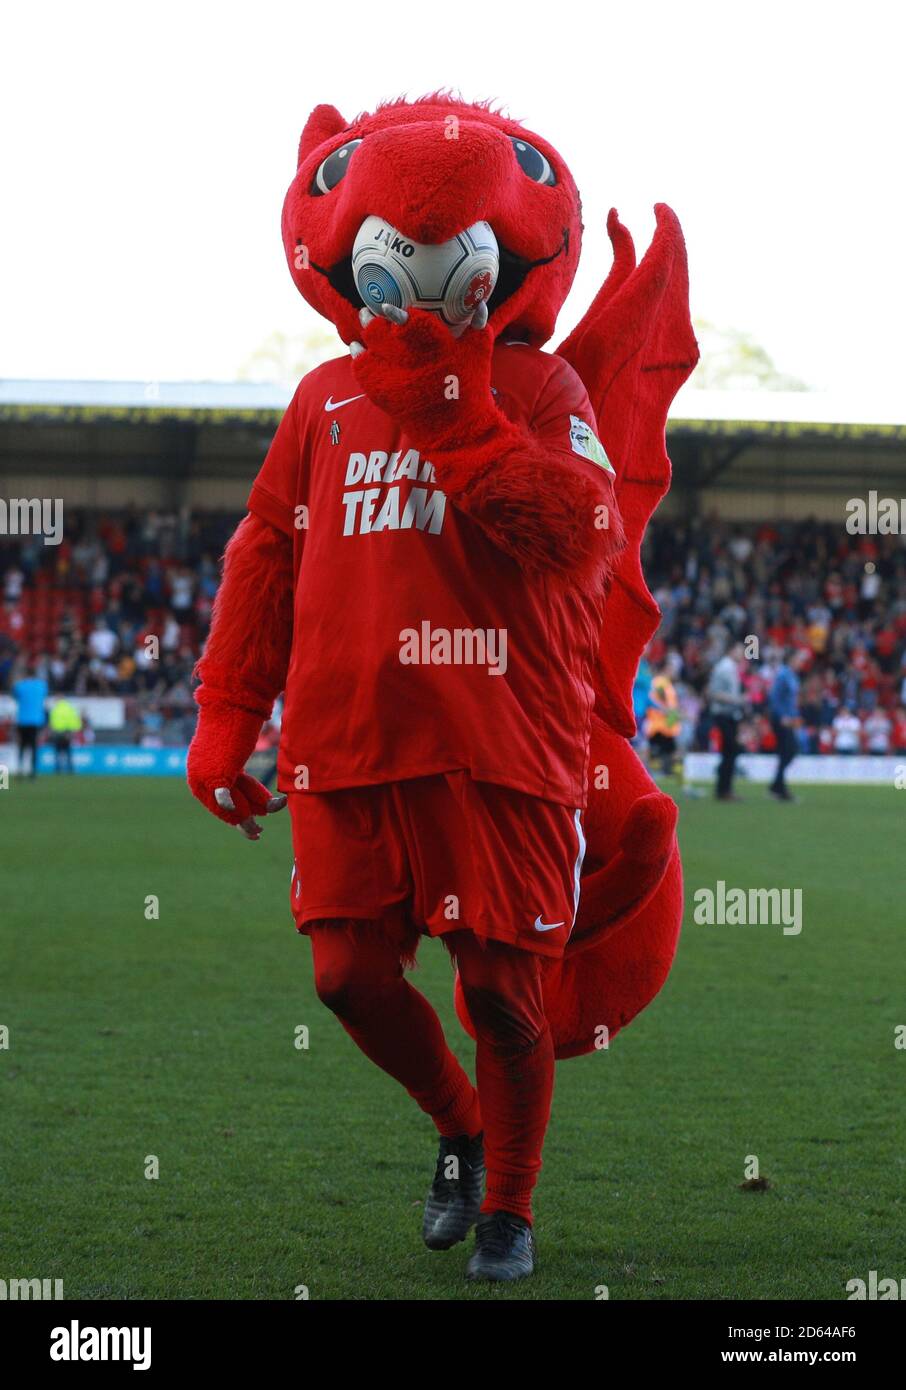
(281, 1167)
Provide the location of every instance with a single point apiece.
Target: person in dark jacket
(783, 702)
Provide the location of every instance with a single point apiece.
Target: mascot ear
(323, 122)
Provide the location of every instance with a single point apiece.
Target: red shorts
(455, 853)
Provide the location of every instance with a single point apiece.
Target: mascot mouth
(515, 268)
(513, 272)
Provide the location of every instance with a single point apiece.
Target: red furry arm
(244, 665)
(551, 509)
(548, 508)
(247, 652)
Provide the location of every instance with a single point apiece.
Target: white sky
(146, 149)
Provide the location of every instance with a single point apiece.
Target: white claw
(480, 316)
(356, 349)
(395, 315)
(223, 799)
(365, 316)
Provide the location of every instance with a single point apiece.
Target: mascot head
(431, 168)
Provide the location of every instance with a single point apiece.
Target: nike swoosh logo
(331, 404)
(546, 926)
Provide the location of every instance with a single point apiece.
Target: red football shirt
(419, 646)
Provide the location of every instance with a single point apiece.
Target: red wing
(633, 350)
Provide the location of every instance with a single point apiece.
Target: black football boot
(504, 1248)
(453, 1204)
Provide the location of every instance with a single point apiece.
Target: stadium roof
(727, 414)
(158, 397)
(788, 414)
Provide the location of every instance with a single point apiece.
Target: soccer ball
(450, 278)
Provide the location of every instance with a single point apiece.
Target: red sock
(359, 976)
(514, 1065)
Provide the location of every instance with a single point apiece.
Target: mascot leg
(514, 1061)
(359, 976)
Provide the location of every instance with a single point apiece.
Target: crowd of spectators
(86, 612)
(121, 607)
(807, 587)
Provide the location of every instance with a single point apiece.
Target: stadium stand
(809, 586)
(752, 541)
(84, 610)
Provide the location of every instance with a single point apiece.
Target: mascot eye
(533, 162)
(331, 170)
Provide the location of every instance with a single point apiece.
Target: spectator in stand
(144, 661)
(154, 584)
(899, 730)
(171, 636)
(13, 584)
(878, 729)
(847, 729)
(102, 642)
(30, 694)
(785, 719)
(766, 737)
(869, 589)
(12, 621)
(182, 593)
(727, 704)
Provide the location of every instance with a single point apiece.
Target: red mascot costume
(421, 487)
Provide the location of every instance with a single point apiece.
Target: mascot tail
(633, 350)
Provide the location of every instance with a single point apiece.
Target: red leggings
(359, 976)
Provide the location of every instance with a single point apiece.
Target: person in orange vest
(662, 723)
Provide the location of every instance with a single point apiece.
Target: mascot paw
(224, 741)
(437, 386)
(239, 803)
(245, 800)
